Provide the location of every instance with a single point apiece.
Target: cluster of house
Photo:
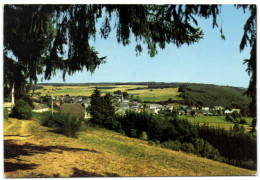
(182, 110)
(194, 110)
(73, 105)
(124, 104)
(78, 105)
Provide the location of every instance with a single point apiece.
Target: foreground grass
(99, 152)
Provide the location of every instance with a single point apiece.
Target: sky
(211, 60)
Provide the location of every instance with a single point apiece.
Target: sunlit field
(217, 121)
(142, 94)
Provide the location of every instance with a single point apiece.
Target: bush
(157, 142)
(199, 145)
(187, 147)
(66, 124)
(143, 135)
(210, 152)
(133, 133)
(22, 110)
(242, 121)
(151, 143)
(230, 118)
(250, 165)
(174, 145)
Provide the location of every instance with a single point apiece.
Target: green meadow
(217, 121)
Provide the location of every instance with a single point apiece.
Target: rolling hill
(214, 95)
(31, 150)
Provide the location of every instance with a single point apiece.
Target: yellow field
(157, 94)
(143, 94)
(32, 150)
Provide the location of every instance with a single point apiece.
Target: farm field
(217, 121)
(32, 150)
(142, 94)
(156, 94)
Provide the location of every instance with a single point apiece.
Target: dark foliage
(22, 110)
(235, 146)
(174, 145)
(102, 110)
(63, 123)
(213, 95)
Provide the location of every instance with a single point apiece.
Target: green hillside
(214, 95)
(32, 150)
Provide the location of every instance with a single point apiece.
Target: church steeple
(122, 99)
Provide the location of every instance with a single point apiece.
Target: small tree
(192, 113)
(22, 110)
(102, 109)
(254, 125)
(96, 106)
(125, 94)
(236, 128)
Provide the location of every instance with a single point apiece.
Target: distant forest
(213, 95)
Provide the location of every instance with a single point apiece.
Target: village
(80, 105)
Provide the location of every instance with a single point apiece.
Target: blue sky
(211, 60)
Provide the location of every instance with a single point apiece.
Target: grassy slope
(217, 121)
(99, 152)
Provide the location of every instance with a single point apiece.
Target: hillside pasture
(138, 91)
(217, 121)
(156, 94)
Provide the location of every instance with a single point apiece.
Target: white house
(156, 107)
(40, 108)
(205, 108)
(228, 111)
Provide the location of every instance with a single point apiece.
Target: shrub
(235, 115)
(143, 135)
(47, 120)
(242, 121)
(187, 147)
(151, 143)
(199, 145)
(230, 118)
(66, 124)
(157, 142)
(250, 165)
(210, 152)
(22, 110)
(133, 133)
(174, 145)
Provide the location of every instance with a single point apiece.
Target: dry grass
(98, 152)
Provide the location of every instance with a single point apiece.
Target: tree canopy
(47, 38)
